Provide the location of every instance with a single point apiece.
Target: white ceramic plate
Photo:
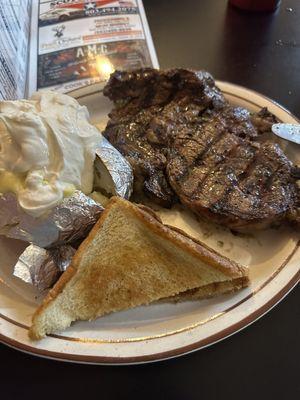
(163, 331)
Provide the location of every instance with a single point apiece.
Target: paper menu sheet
(74, 43)
(14, 43)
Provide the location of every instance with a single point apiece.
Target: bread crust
(175, 235)
(197, 248)
(210, 290)
(68, 274)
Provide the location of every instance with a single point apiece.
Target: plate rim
(161, 356)
(177, 351)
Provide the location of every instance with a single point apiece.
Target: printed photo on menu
(68, 44)
(87, 41)
(53, 12)
(94, 30)
(93, 62)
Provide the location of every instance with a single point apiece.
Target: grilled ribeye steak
(186, 142)
(149, 107)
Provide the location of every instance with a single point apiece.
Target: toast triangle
(129, 259)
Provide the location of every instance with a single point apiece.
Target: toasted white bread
(129, 259)
(210, 290)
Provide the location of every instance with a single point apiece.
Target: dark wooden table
(261, 52)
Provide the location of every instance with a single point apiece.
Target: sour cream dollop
(47, 150)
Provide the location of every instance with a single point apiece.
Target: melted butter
(10, 182)
(69, 190)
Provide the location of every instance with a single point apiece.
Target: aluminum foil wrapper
(113, 173)
(69, 221)
(41, 267)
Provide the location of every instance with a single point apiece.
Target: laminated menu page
(63, 45)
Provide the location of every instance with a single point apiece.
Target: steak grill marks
(185, 142)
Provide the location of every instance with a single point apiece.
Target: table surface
(259, 51)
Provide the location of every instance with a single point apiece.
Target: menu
(14, 45)
(63, 45)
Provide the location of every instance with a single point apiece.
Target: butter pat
(47, 150)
